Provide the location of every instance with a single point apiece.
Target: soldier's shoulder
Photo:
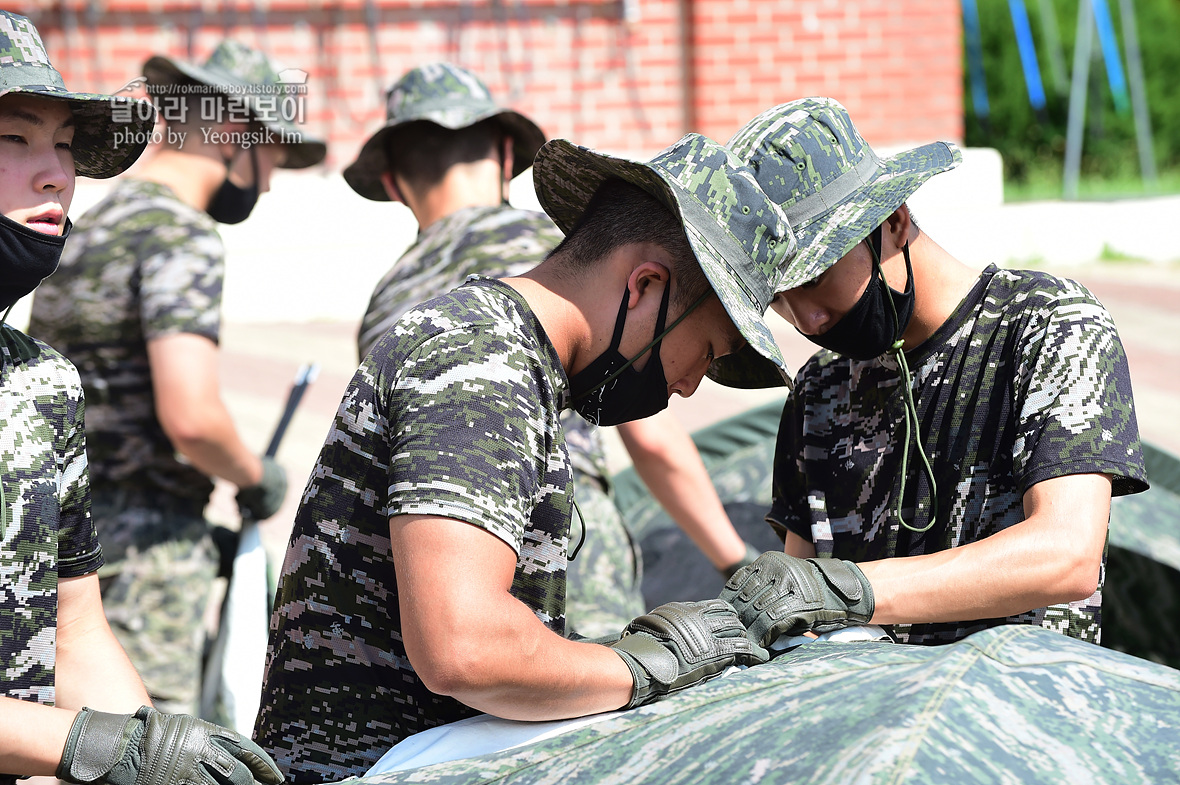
(35, 365)
(506, 222)
(1012, 286)
(480, 304)
(140, 204)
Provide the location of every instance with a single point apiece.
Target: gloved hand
(780, 594)
(263, 500)
(682, 644)
(150, 748)
(752, 553)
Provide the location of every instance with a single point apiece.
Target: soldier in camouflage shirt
(961, 435)
(425, 579)
(448, 152)
(136, 307)
(63, 669)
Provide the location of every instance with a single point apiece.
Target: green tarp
(1014, 704)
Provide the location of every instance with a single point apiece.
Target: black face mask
(873, 325)
(26, 258)
(609, 390)
(232, 204)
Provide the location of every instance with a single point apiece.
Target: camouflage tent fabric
(1012, 704)
(1141, 607)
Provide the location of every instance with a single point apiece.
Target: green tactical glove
(752, 553)
(263, 500)
(150, 748)
(780, 594)
(682, 644)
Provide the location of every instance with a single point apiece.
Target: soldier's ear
(899, 227)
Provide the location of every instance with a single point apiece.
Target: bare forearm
(468, 637)
(211, 443)
(518, 669)
(99, 675)
(190, 410)
(564, 679)
(32, 737)
(670, 466)
(957, 585)
(1011, 572)
(91, 668)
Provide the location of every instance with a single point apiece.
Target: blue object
(1110, 55)
(975, 60)
(1028, 54)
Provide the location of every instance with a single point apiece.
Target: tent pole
(1138, 94)
(1079, 86)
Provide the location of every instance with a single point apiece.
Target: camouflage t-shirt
(139, 265)
(496, 242)
(45, 528)
(1025, 382)
(454, 414)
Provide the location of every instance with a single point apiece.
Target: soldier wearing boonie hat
(57, 649)
(136, 306)
(1019, 406)
(434, 535)
(448, 152)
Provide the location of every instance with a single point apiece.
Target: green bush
(1034, 147)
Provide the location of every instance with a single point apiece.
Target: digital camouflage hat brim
(110, 131)
(246, 74)
(740, 238)
(450, 97)
(834, 189)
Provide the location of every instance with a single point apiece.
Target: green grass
(1047, 184)
(1115, 256)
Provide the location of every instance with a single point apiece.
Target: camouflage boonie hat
(445, 95)
(236, 70)
(809, 158)
(741, 239)
(25, 68)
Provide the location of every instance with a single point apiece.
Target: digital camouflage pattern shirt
(45, 528)
(496, 242)
(453, 413)
(139, 265)
(1025, 382)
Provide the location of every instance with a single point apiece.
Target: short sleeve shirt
(45, 528)
(1025, 382)
(496, 242)
(454, 413)
(141, 264)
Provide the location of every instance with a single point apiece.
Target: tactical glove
(752, 553)
(780, 594)
(682, 644)
(263, 500)
(150, 748)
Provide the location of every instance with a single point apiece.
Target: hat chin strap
(912, 431)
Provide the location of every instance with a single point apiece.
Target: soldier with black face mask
(136, 306)
(71, 703)
(448, 152)
(946, 463)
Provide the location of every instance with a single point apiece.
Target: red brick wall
(620, 75)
